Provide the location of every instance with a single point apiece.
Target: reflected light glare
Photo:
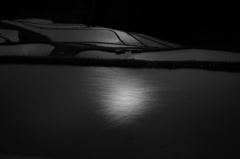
(125, 100)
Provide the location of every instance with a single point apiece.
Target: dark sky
(190, 22)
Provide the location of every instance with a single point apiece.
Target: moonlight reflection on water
(125, 98)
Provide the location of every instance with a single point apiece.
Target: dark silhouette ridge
(186, 22)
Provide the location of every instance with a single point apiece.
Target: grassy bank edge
(131, 63)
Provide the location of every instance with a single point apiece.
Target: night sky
(188, 22)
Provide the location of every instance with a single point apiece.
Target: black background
(188, 22)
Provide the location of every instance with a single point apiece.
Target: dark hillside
(186, 22)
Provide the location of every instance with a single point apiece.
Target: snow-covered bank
(37, 50)
(189, 54)
(43, 50)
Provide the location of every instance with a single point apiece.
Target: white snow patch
(26, 50)
(188, 54)
(11, 35)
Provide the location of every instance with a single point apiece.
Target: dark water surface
(93, 112)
